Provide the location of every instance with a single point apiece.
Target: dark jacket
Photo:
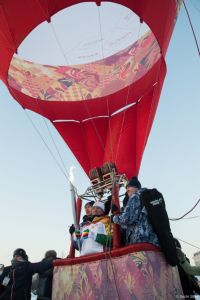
(186, 271)
(20, 275)
(154, 203)
(189, 283)
(44, 288)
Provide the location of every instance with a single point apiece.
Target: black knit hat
(134, 182)
(20, 252)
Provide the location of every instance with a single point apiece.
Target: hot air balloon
(102, 101)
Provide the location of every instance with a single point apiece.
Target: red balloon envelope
(103, 104)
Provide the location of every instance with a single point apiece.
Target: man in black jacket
(16, 279)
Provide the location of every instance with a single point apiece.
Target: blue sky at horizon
(35, 199)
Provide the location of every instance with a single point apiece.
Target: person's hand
(71, 229)
(180, 255)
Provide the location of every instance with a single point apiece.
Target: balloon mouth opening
(110, 51)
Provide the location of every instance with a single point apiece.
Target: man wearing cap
(95, 237)
(17, 278)
(134, 218)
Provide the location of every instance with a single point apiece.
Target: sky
(34, 195)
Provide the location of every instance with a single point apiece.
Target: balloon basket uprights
(102, 185)
(103, 180)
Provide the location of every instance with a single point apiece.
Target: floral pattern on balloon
(139, 275)
(85, 81)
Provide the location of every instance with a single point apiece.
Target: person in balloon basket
(87, 218)
(134, 218)
(16, 279)
(97, 236)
